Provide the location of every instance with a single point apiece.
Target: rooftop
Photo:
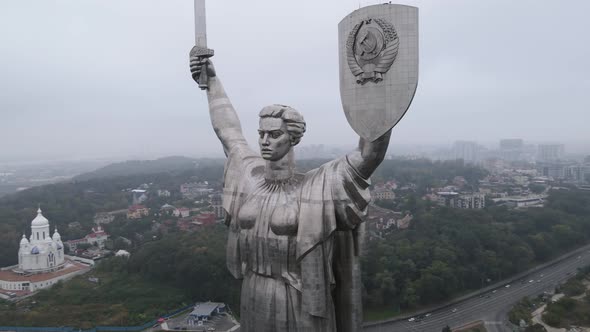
(70, 267)
(206, 308)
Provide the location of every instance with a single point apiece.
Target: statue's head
(281, 127)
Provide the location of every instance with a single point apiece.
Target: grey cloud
(105, 77)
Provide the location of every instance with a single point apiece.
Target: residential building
(217, 204)
(182, 212)
(469, 152)
(550, 152)
(103, 218)
(382, 193)
(511, 149)
(194, 190)
(462, 201)
(381, 221)
(163, 193)
(577, 173)
(555, 170)
(472, 201)
(97, 238)
(137, 212)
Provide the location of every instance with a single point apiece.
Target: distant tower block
(216, 202)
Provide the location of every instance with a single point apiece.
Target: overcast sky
(101, 78)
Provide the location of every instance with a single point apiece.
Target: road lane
(492, 310)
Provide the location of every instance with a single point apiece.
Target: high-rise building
(511, 144)
(550, 152)
(512, 149)
(469, 151)
(577, 173)
(217, 203)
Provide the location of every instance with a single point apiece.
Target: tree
(537, 188)
(535, 328)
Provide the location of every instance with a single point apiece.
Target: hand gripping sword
(200, 49)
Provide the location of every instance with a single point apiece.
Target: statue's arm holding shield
(369, 155)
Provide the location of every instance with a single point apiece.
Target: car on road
(530, 281)
(411, 319)
(507, 286)
(454, 310)
(428, 315)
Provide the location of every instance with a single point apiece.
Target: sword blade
(200, 24)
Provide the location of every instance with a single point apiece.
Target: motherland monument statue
(294, 239)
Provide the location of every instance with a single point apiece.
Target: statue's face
(274, 139)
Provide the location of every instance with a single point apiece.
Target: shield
(378, 47)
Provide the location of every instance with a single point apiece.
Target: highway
(492, 307)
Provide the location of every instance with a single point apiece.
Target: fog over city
(105, 78)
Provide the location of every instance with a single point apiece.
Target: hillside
(444, 252)
(175, 164)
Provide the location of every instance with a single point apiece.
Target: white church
(41, 262)
(41, 252)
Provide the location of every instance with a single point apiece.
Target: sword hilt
(202, 52)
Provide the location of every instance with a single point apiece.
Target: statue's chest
(273, 207)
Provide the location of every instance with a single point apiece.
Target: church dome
(24, 241)
(40, 220)
(56, 236)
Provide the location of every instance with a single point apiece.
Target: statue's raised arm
(224, 119)
(369, 155)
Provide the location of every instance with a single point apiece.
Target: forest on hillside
(445, 252)
(449, 251)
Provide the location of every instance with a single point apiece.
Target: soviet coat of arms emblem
(378, 55)
(371, 49)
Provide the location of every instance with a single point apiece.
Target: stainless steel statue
(294, 239)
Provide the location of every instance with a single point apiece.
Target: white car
(507, 286)
(454, 310)
(411, 319)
